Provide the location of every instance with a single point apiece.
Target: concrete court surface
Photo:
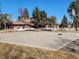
(45, 40)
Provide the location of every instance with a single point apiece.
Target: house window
(23, 27)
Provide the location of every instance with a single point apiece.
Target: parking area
(42, 39)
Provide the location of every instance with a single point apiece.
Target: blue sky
(56, 8)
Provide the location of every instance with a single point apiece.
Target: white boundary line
(66, 44)
(27, 45)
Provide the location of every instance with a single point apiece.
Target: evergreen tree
(52, 21)
(39, 17)
(64, 22)
(5, 21)
(74, 6)
(25, 13)
(35, 13)
(36, 16)
(43, 14)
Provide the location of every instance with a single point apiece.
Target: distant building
(22, 24)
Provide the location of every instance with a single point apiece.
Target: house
(22, 24)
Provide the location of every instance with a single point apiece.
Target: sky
(57, 8)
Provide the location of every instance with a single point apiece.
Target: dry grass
(6, 31)
(10, 51)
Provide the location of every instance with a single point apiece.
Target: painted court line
(66, 44)
(32, 46)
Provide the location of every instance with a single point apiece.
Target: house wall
(18, 27)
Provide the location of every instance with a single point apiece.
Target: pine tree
(74, 6)
(64, 22)
(39, 17)
(25, 13)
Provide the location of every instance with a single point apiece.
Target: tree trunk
(77, 26)
(4, 25)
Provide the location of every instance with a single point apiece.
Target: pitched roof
(28, 21)
(23, 22)
(18, 23)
